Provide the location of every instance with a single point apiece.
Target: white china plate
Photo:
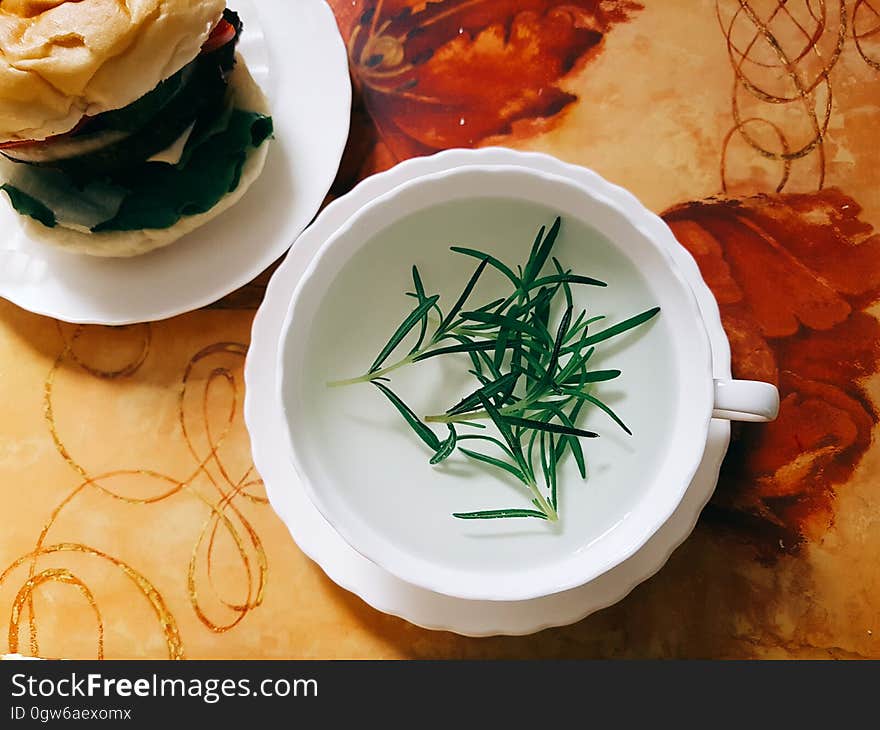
(295, 52)
(354, 572)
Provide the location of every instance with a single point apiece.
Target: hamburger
(125, 124)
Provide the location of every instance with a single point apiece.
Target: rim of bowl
(491, 585)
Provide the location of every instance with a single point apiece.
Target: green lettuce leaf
(161, 194)
(28, 205)
(68, 204)
(158, 195)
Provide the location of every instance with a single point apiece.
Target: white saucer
(354, 572)
(295, 52)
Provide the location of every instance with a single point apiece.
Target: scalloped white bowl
(369, 476)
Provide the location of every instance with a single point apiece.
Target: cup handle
(745, 400)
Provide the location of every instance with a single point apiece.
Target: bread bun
(121, 244)
(61, 60)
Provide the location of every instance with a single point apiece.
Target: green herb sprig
(533, 381)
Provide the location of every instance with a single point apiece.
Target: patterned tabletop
(134, 524)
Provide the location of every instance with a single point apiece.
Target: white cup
(370, 478)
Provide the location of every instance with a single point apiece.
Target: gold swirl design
(866, 32)
(25, 595)
(782, 60)
(228, 488)
(61, 575)
(208, 379)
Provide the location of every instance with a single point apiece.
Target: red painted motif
(792, 275)
(458, 73)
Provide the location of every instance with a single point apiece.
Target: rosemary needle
(532, 382)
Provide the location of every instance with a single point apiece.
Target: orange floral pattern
(792, 275)
(459, 73)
